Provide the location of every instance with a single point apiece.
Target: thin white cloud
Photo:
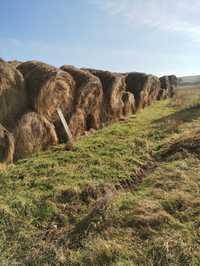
(166, 15)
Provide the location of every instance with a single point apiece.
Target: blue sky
(153, 36)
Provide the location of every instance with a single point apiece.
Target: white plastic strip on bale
(64, 123)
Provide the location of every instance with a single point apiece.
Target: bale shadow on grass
(185, 115)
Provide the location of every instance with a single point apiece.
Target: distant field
(187, 95)
(190, 87)
(127, 195)
(189, 80)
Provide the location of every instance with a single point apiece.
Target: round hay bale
(113, 88)
(13, 100)
(145, 88)
(165, 88)
(168, 86)
(154, 87)
(87, 102)
(129, 103)
(32, 134)
(48, 88)
(7, 145)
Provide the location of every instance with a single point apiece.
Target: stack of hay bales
(32, 118)
(88, 96)
(113, 88)
(32, 92)
(49, 88)
(145, 88)
(7, 145)
(32, 134)
(168, 86)
(13, 100)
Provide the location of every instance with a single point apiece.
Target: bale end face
(13, 101)
(32, 134)
(113, 87)
(168, 86)
(87, 101)
(48, 88)
(56, 93)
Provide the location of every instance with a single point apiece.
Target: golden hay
(48, 88)
(113, 88)
(7, 145)
(129, 103)
(13, 99)
(144, 87)
(87, 101)
(32, 134)
(77, 123)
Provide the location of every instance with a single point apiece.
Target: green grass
(47, 201)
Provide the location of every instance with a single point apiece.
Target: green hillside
(128, 194)
(189, 80)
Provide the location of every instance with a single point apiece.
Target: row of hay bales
(31, 92)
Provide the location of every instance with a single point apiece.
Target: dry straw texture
(48, 88)
(87, 102)
(113, 88)
(32, 134)
(144, 87)
(12, 95)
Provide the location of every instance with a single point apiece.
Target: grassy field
(188, 88)
(128, 194)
